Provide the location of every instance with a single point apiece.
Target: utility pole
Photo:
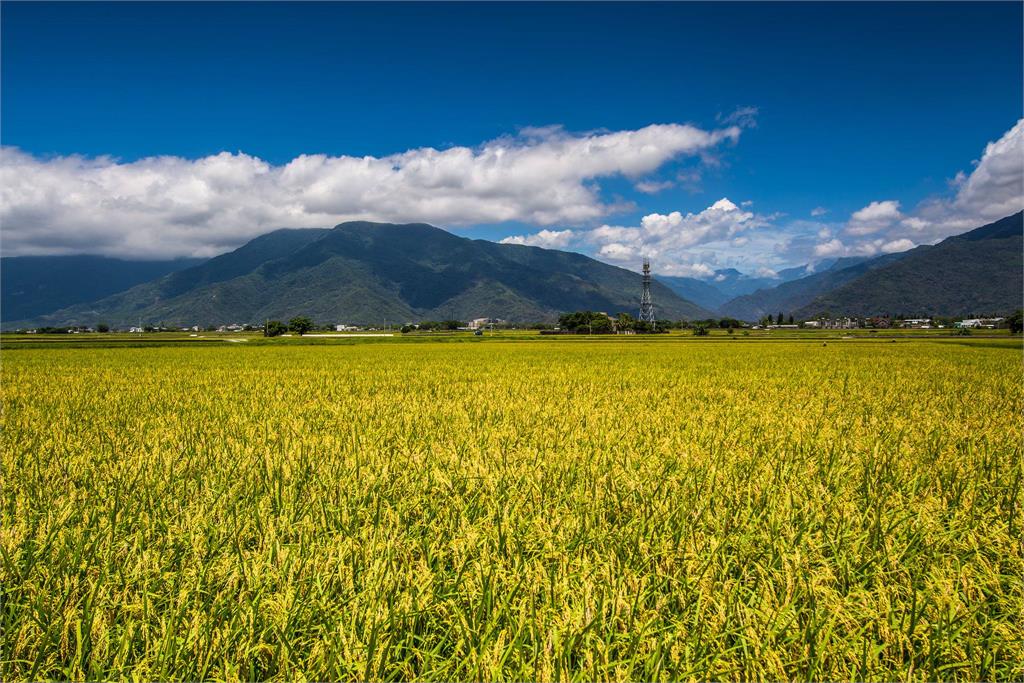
(646, 305)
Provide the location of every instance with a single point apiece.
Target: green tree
(780, 318)
(771, 321)
(300, 324)
(700, 331)
(1016, 322)
(791, 319)
(103, 327)
(274, 328)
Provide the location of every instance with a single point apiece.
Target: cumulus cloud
(818, 211)
(170, 206)
(668, 239)
(550, 239)
(993, 190)
(874, 217)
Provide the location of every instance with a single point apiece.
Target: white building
(985, 323)
(478, 323)
(345, 328)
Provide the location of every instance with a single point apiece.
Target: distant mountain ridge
(977, 272)
(726, 284)
(364, 273)
(31, 286)
(790, 296)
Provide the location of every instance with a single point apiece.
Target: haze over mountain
(977, 272)
(787, 297)
(31, 286)
(364, 273)
(727, 284)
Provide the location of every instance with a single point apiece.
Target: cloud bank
(163, 207)
(670, 240)
(993, 190)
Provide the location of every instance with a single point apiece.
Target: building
(345, 328)
(917, 323)
(838, 323)
(982, 323)
(479, 323)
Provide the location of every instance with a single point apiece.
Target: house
(478, 323)
(345, 328)
(917, 323)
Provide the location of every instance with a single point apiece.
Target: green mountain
(364, 273)
(978, 272)
(789, 297)
(31, 286)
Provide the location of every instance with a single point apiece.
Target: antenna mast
(646, 305)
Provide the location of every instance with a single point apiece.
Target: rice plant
(648, 510)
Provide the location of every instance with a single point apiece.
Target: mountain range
(729, 283)
(31, 286)
(976, 273)
(365, 273)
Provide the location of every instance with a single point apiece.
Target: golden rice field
(546, 510)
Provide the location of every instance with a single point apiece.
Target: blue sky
(834, 106)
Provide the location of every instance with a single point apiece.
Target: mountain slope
(31, 286)
(788, 297)
(726, 285)
(367, 272)
(978, 272)
(701, 292)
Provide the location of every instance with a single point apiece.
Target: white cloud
(874, 217)
(896, 245)
(170, 206)
(745, 117)
(996, 186)
(653, 186)
(833, 247)
(993, 190)
(818, 211)
(669, 239)
(549, 239)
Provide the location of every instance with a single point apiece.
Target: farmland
(514, 509)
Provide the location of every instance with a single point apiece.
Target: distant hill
(701, 292)
(725, 285)
(364, 273)
(791, 296)
(32, 286)
(978, 272)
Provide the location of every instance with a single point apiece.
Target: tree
(791, 319)
(300, 324)
(625, 321)
(700, 331)
(274, 328)
(1016, 322)
(780, 318)
(103, 327)
(771, 321)
(452, 324)
(587, 322)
